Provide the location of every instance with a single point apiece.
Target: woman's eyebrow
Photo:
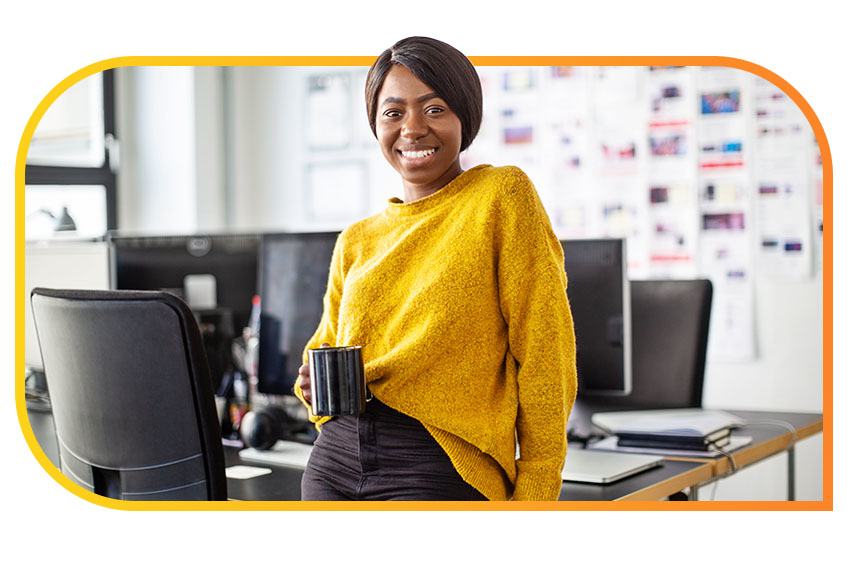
(422, 98)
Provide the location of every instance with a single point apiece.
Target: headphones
(262, 428)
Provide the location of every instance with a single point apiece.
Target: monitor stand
(580, 427)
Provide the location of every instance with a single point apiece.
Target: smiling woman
(457, 295)
(419, 134)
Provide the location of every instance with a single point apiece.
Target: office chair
(131, 392)
(669, 327)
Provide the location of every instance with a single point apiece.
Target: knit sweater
(459, 302)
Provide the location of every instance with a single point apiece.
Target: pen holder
(338, 381)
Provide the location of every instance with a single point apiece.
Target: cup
(338, 381)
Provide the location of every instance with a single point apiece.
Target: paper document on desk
(671, 422)
(245, 472)
(283, 453)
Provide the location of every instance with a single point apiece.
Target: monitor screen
(207, 271)
(292, 282)
(214, 274)
(61, 265)
(599, 295)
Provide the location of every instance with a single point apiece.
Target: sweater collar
(396, 207)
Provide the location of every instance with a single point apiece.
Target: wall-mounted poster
(672, 236)
(706, 171)
(785, 217)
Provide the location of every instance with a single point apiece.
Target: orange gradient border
(827, 278)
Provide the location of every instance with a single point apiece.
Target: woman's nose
(414, 126)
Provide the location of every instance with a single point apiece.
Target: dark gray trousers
(381, 455)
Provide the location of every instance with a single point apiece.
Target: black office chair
(131, 393)
(669, 328)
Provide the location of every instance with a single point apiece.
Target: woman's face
(419, 135)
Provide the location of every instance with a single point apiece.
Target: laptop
(601, 467)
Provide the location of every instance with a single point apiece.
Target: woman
(457, 295)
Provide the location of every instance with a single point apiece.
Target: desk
(651, 485)
(769, 438)
(283, 483)
(768, 432)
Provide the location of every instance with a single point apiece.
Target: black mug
(338, 381)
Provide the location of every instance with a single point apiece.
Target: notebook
(596, 466)
(683, 422)
(680, 429)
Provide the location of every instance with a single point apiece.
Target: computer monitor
(183, 264)
(216, 274)
(292, 282)
(599, 295)
(60, 265)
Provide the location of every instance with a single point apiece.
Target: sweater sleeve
(532, 287)
(328, 326)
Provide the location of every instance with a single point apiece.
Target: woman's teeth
(417, 154)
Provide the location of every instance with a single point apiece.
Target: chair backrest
(670, 326)
(131, 394)
(670, 322)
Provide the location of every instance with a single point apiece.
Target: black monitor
(599, 296)
(215, 273)
(293, 279)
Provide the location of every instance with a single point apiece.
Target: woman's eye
(391, 113)
(435, 110)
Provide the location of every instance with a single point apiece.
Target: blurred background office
(707, 172)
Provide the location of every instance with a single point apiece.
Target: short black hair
(441, 67)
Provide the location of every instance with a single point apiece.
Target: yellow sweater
(459, 301)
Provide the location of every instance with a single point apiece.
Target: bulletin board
(706, 171)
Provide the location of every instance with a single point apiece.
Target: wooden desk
(768, 438)
(651, 485)
(283, 484)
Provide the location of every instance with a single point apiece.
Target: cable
(766, 422)
(730, 459)
(773, 422)
(715, 488)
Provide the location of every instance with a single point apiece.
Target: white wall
(174, 178)
(788, 373)
(268, 116)
(209, 149)
(787, 376)
(264, 178)
(156, 131)
(170, 126)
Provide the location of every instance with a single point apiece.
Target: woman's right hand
(306, 380)
(305, 383)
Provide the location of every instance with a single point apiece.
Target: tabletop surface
(283, 483)
(767, 428)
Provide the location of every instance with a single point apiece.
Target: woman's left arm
(532, 286)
